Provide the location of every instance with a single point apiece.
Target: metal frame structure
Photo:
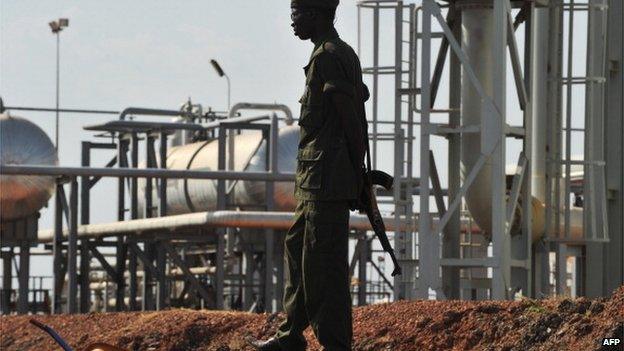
(516, 262)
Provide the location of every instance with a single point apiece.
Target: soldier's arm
(341, 94)
(352, 127)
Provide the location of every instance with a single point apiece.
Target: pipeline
(232, 219)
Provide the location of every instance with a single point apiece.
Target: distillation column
(477, 38)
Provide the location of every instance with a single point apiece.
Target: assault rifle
(368, 200)
(369, 204)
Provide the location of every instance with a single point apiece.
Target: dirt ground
(554, 324)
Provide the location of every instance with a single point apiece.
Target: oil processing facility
(204, 198)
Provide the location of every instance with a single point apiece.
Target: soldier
(328, 183)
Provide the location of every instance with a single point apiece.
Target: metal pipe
(255, 106)
(539, 99)
(141, 173)
(477, 40)
(216, 219)
(67, 110)
(151, 112)
(375, 96)
(58, 74)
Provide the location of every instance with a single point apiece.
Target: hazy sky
(117, 54)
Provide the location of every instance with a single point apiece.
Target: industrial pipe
(255, 106)
(477, 39)
(539, 100)
(235, 219)
(14, 169)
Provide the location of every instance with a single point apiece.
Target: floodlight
(217, 68)
(54, 26)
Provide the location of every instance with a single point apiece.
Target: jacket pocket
(309, 168)
(311, 107)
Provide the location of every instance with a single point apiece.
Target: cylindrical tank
(539, 98)
(477, 38)
(24, 143)
(195, 195)
(253, 192)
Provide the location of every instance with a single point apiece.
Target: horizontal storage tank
(196, 195)
(24, 143)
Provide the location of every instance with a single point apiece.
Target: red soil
(554, 324)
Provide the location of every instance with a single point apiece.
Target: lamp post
(220, 72)
(57, 27)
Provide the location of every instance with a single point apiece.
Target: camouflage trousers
(317, 277)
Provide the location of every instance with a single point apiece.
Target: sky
(117, 54)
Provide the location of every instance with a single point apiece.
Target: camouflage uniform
(316, 246)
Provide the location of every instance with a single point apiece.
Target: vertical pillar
(375, 96)
(249, 279)
(162, 206)
(522, 245)
(561, 272)
(57, 249)
(402, 289)
(121, 215)
(451, 238)
(161, 256)
(7, 280)
(161, 261)
(540, 28)
(614, 132)
(105, 299)
(85, 293)
(134, 214)
(425, 238)
(270, 204)
(594, 201)
(493, 136)
(23, 275)
(279, 264)
(132, 281)
(220, 274)
(147, 295)
(72, 248)
(362, 265)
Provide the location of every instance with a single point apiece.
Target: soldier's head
(309, 17)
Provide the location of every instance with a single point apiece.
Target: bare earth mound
(555, 324)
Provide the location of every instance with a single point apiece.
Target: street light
(57, 27)
(220, 72)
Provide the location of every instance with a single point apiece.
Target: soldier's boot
(271, 344)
